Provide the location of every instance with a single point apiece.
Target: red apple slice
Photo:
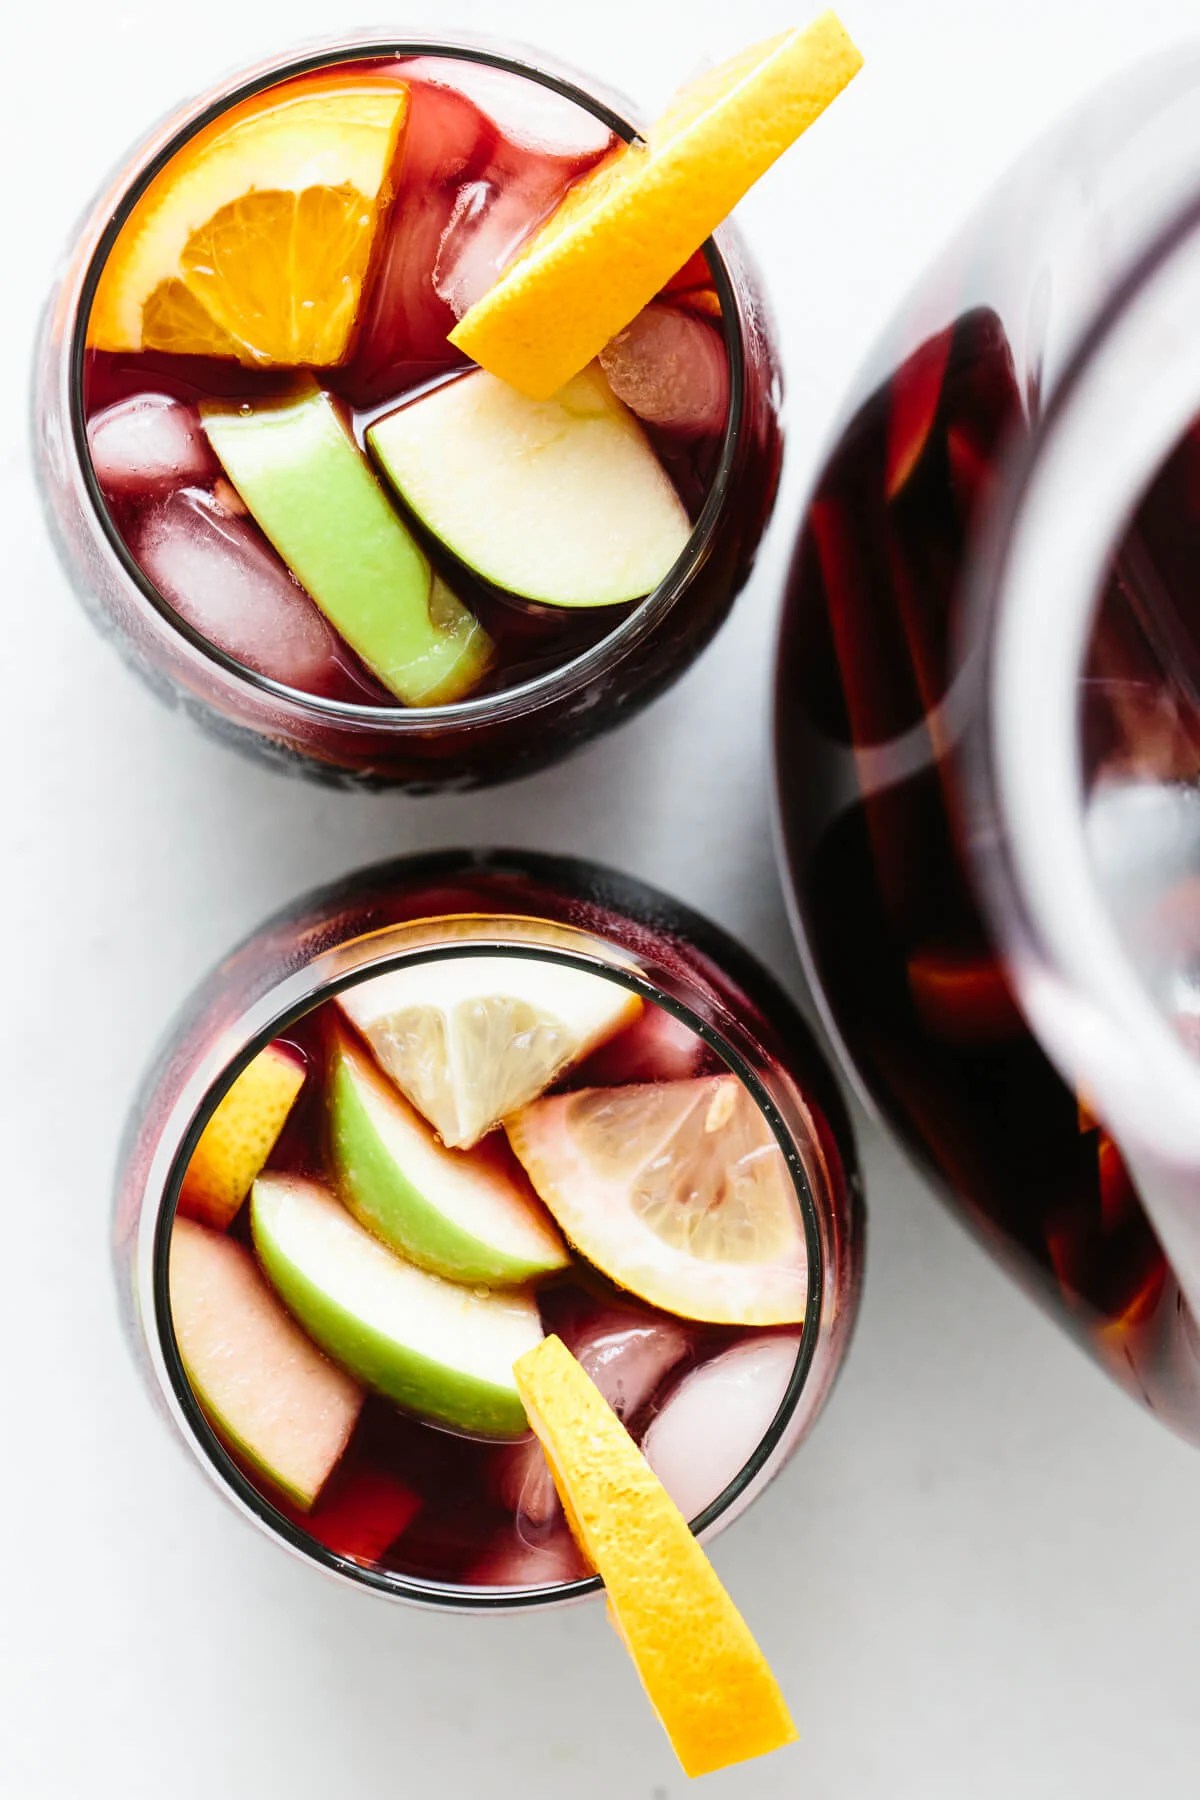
(363, 1514)
(265, 1387)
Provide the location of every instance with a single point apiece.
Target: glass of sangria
(430, 1114)
(987, 729)
(294, 506)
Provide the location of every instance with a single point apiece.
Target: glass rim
(1022, 752)
(205, 1441)
(505, 703)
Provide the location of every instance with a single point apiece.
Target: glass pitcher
(987, 729)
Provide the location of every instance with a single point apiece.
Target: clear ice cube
(447, 145)
(220, 575)
(718, 1415)
(656, 1047)
(147, 444)
(670, 368)
(512, 1562)
(487, 156)
(487, 227)
(530, 115)
(521, 1480)
(628, 1355)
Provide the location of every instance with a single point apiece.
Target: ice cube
(147, 444)
(530, 115)
(219, 574)
(716, 1418)
(670, 368)
(512, 1562)
(487, 227)
(520, 1478)
(628, 1354)
(446, 140)
(656, 1047)
(487, 157)
(447, 145)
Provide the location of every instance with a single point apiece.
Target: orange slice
(254, 240)
(626, 228)
(963, 996)
(676, 1190)
(240, 1136)
(705, 1676)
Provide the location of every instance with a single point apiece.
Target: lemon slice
(254, 239)
(678, 1191)
(468, 1041)
(623, 231)
(240, 1136)
(705, 1676)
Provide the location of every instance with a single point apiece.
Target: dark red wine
(872, 824)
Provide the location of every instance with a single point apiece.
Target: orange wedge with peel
(240, 1136)
(705, 1676)
(253, 242)
(628, 227)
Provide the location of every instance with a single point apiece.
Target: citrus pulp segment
(240, 1136)
(677, 1191)
(470, 1039)
(254, 239)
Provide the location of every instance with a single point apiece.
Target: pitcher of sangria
(987, 729)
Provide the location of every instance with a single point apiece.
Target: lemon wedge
(470, 1040)
(240, 1136)
(678, 1191)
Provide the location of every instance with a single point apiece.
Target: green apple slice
(439, 1349)
(468, 1215)
(265, 1388)
(313, 493)
(560, 500)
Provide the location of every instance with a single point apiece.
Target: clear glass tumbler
(447, 906)
(509, 730)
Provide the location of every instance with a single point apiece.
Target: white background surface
(981, 1578)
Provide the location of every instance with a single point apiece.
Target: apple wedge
(440, 1350)
(313, 493)
(561, 501)
(469, 1215)
(265, 1388)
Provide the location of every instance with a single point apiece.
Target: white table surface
(981, 1577)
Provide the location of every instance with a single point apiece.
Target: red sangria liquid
(437, 1476)
(871, 806)
(330, 514)
(511, 1100)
